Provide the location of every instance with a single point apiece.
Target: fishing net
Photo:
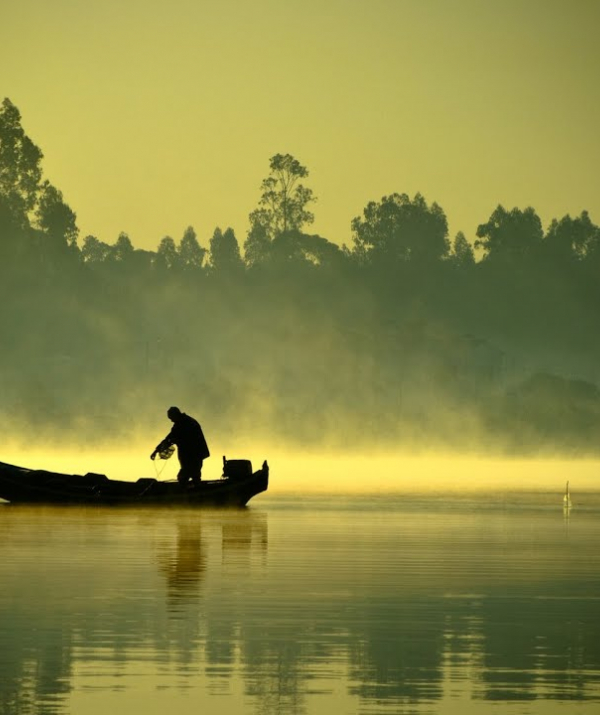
(166, 452)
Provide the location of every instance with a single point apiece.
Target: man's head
(173, 413)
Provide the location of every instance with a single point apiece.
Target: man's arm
(166, 442)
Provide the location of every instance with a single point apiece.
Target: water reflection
(302, 607)
(183, 563)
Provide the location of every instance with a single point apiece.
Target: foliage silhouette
(462, 251)
(55, 218)
(225, 251)
(283, 204)
(20, 166)
(400, 229)
(257, 245)
(510, 234)
(191, 253)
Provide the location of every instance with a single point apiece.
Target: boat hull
(29, 486)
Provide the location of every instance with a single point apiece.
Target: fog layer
(405, 340)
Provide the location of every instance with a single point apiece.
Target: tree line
(404, 335)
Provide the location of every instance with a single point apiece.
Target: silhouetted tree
(167, 256)
(510, 234)
(295, 246)
(142, 258)
(94, 251)
(283, 204)
(191, 253)
(20, 170)
(123, 249)
(462, 251)
(400, 229)
(55, 217)
(571, 238)
(225, 251)
(257, 245)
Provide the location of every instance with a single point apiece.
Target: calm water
(395, 604)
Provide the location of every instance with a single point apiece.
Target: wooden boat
(35, 486)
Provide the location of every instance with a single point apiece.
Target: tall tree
(284, 201)
(167, 256)
(462, 251)
(257, 245)
(400, 228)
(510, 234)
(191, 253)
(20, 169)
(225, 250)
(55, 217)
(571, 238)
(94, 251)
(123, 249)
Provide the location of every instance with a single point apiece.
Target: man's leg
(196, 474)
(182, 476)
(190, 470)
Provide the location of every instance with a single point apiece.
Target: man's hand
(153, 455)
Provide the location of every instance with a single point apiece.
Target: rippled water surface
(391, 604)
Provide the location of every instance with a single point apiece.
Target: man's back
(188, 436)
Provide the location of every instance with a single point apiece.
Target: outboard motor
(236, 469)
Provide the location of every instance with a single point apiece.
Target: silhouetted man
(192, 449)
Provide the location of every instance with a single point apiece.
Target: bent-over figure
(192, 449)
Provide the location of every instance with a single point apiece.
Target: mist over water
(327, 472)
(403, 340)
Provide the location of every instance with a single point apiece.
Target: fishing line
(158, 471)
(165, 454)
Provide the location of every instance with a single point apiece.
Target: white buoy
(567, 498)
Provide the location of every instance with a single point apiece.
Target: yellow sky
(158, 114)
